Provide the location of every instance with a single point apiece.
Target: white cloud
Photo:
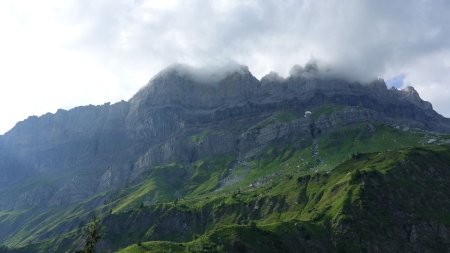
(59, 54)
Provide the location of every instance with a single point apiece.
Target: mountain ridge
(173, 102)
(99, 158)
(187, 73)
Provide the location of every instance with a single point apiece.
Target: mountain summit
(195, 88)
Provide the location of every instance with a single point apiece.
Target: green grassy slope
(371, 200)
(287, 193)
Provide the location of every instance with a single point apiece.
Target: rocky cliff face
(79, 136)
(181, 116)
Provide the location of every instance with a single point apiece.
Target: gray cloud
(135, 39)
(363, 38)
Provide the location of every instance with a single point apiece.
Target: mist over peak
(310, 69)
(272, 77)
(211, 74)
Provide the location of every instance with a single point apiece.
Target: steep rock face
(67, 139)
(11, 169)
(54, 148)
(375, 95)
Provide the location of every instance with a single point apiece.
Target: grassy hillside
(373, 200)
(326, 194)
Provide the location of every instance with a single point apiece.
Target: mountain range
(224, 162)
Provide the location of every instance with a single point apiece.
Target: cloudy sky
(63, 53)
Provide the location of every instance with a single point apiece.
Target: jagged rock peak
(272, 77)
(378, 84)
(410, 94)
(409, 91)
